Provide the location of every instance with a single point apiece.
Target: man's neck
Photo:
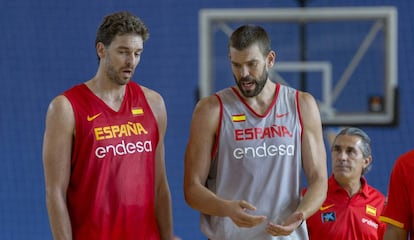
(352, 187)
(110, 93)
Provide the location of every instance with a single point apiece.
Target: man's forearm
(314, 197)
(163, 210)
(59, 220)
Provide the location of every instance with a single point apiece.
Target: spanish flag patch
(370, 210)
(137, 111)
(239, 118)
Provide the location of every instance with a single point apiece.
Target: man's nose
(244, 71)
(131, 59)
(342, 156)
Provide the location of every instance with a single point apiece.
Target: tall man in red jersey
(399, 210)
(352, 207)
(103, 149)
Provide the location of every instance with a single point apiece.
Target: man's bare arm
(57, 147)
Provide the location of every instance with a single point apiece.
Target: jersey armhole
(217, 135)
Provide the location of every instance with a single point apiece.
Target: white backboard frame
(386, 19)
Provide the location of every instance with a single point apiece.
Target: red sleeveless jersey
(111, 190)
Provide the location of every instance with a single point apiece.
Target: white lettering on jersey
(124, 148)
(264, 151)
(370, 223)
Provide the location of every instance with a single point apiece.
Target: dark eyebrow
(248, 62)
(127, 48)
(253, 61)
(122, 47)
(334, 147)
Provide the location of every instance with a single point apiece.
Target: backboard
(351, 65)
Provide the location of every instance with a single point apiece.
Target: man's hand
(286, 228)
(237, 213)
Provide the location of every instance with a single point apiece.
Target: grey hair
(365, 146)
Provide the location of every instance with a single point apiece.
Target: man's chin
(124, 81)
(249, 93)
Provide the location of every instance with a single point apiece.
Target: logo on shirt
(119, 131)
(328, 217)
(238, 118)
(93, 117)
(370, 210)
(370, 223)
(245, 135)
(282, 115)
(123, 146)
(137, 111)
(323, 208)
(269, 132)
(265, 150)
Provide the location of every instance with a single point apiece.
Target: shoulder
(402, 173)
(375, 192)
(406, 158)
(154, 99)
(152, 95)
(370, 191)
(206, 114)
(308, 108)
(60, 114)
(306, 99)
(157, 105)
(404, 165)
(76, 91)
(60, 104)
(208, 105)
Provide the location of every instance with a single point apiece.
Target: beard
(115, 75)
(259, 84)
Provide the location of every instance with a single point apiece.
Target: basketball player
(399, 210)
(103, 148)
(352, 207)
(247, 147)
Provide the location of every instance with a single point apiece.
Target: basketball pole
(303, 48)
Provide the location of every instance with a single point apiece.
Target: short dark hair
(120, 23)
(247, 35)
(365, 143)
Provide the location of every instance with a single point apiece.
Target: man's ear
(271, 58)
(100, 49)
(367, 161)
